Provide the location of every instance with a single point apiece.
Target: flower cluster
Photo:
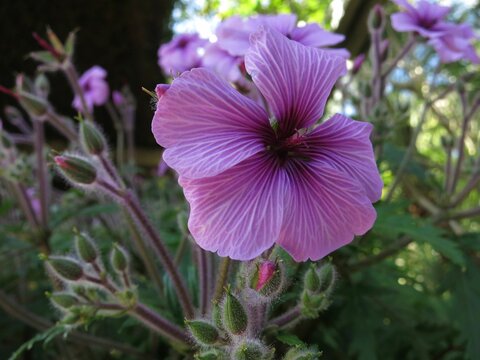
(452, 41)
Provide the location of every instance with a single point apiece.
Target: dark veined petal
(324, 210)
(344, 144)
(207, 126)
(239, 212)
(295, 79)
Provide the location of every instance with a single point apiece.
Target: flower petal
(295, 79)
(323, 212)
(344, 144)
(239, 212)
(313, 35)
(206, 126)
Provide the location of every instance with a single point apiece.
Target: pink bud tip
(265, 273)
(61, 161)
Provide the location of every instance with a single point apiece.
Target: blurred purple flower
(253, 181)
(118, 98)
(426, 18)
(452, 42)
(182, 53)
(233, 33)
(95, 88)
(456, 44)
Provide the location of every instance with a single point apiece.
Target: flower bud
(76, 169)
(63, 300)
(312, 280)
(376, 18)
(211, 354)
(384, 46)
(118, 98)
(327, 275)
(250, 350)
(357, 63)
(203, 332)
(217, 315)
(267, 279)
(66, 268)
(34, 105)
(119, 259)
(91, 138)
(86, 248)
(235, 318)
(42, 85)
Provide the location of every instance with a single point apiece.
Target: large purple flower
(253, 180)
(95, 88)
(426, 18)
(181, 53)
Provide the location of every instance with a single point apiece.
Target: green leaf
(289, 339)
(44, 337)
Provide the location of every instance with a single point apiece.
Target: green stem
(222, 279)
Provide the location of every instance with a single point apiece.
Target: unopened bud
(217, 315)
(119, 259)
(211, 354)
(376, 18)
(42, 85)
(76, 169)
(250, 350)
(203, 332)
(327, 275)
(235, 319)
(312, 280)
(267, 279)
(63, 300)
(86, 248)
(91, 138)
(384, 46)
(357, 63)
(66, 268)
(34, 105)
(118, 98)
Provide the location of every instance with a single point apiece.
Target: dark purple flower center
(287, 146)
(427, 22)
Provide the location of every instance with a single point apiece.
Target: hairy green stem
(221, 279)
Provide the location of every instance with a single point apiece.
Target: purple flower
(455, 44)
(95, 88)
(426, 18)
(233, 33)
(223, 63)
(182, 53)
(357, 63)
(254, 180)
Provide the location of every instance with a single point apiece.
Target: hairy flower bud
(217, 315)
(312, 280)
(327, 276)
(66, 268)
(92, 139)
(211, 354)
(119, 259)
(42, 86)
(235, 319)
(63, 300)
(34, 105)
(267, 279)
(203, 332)
(86, 248)
(76, 169)
(251, 350)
